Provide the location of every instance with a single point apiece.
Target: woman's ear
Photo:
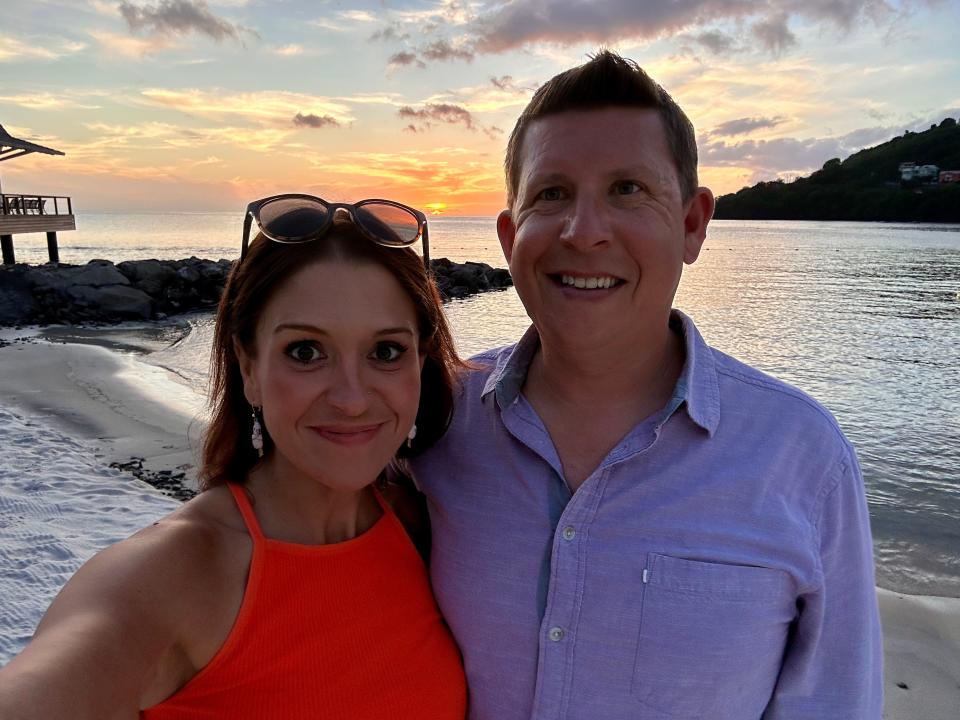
(251, 386)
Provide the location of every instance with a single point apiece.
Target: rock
(113, 302)
(16, 299)
(103, 292)
(96, 273)
(151, 276)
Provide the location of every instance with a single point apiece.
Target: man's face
(599, 232)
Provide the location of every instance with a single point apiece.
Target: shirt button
(556, 634)
(569, 533)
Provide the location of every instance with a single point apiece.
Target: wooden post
(6, 242)
(52, 249)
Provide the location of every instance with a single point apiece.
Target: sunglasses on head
(294, 218)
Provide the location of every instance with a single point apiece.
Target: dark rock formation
(143, 289)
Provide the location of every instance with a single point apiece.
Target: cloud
(109, 141)
(289, 50)
(719, 43)
(361, 16)
(131, 47)
(437, 113)
(179, 17)
(784, 157)
(391, 33)
(443, 173)
(271, 108)
(742, 126)
(443, 50)
(46, 101)
(12, 49)
(517, 23)
(314, 121)
(404, 58)
(774, 34)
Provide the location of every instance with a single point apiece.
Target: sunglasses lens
(292, 219)
(390, 224)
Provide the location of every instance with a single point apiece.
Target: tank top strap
(246, 510)
(384, 505)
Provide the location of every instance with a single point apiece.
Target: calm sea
(865, 317)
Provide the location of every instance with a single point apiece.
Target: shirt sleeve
(833, 665)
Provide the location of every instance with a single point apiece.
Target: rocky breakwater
(155, 289)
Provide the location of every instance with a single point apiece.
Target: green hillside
(865, 186)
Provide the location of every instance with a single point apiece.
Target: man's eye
(304, 352)
(387, 352)
(551, 194)
(627, 187)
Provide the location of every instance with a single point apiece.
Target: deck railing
(16, 204)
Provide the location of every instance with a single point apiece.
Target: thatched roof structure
(11, 147)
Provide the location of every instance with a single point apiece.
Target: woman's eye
(627, 187)
(304, 352)
(387, 352)
(551, 194)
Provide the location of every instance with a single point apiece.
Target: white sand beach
(67, 410)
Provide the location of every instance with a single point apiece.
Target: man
(628, 523)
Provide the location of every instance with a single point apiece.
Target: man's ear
(506, 231)
(251, 387)
(698, 214)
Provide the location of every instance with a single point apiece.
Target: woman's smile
(348, 435)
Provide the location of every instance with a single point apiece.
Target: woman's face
(337, 372)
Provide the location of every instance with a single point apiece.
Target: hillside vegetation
(865, 186)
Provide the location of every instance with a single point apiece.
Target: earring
(256, 436)
(411, 435)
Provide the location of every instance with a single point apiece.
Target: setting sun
(436, 208)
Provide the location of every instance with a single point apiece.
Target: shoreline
(88, 385)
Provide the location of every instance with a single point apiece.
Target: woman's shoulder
(156, 605)
(170, 576)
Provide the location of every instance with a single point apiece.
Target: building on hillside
(913, 174)
(950, 176)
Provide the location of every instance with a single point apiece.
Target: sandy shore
(109, 406)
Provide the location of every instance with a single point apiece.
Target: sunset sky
(192, 105)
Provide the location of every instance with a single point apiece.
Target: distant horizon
(205, 104)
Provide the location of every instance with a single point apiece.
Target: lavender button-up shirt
(717, 564)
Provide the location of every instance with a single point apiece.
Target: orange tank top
(347, 631)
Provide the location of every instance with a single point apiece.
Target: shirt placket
(558, 629)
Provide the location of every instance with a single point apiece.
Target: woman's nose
(348, 392)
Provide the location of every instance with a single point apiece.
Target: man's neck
(589, 398)
(621, 371)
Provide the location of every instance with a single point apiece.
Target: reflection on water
(862, 316)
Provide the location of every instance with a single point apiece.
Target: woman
(287, 588)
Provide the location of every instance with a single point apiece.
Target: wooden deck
(34, 214)
(16, 224)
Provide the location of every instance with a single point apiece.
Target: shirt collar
(697, 388)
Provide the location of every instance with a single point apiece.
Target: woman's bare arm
(132, 626)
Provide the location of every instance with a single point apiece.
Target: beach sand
(74, 402)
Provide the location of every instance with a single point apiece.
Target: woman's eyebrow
(306, 327)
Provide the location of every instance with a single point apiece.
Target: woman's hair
(227, 452)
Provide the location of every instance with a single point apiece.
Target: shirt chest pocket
(711, 638)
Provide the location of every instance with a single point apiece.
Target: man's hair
(607, 80)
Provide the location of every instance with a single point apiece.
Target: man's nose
(586, 224)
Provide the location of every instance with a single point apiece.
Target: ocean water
(863, 316)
